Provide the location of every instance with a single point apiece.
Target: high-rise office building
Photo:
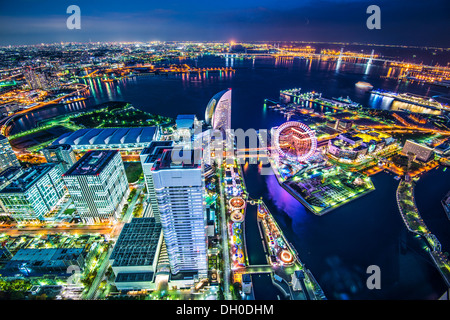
(62, 153)
(36, 80)
(179, 188)
(7, 156)
(218, 111)
(98, 185)
(34, 193)
(148, 158)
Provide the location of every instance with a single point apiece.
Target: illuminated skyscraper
(98, 185)
(218, 111)
(7, 156)
(179, 188)
(148, 158)
(35, 80)
(34, 193)
(61, 153)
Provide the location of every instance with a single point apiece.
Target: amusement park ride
(295, 141)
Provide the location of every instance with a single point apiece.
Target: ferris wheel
(295, 141)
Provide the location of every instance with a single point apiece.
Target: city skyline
(402, 22)
(238, 151)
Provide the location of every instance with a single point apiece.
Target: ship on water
(415, 99)
(73, 99)
(364, 85)
(350, 104)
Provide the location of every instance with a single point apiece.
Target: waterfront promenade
(274, 249)
(414, 223)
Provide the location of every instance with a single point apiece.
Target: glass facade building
(148, 157)
(34, 193)
(61, 153)
(179, 189)
(98, 185)
(218, 111)
(7, 156)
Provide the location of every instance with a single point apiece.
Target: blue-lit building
(7, 156)
(34, 193)
(148, 157)
(98, 185)
(179, 188)
(109, 138)
(31, 262)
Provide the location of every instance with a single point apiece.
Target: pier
(414, 223)
(283, 262)
(280, 258)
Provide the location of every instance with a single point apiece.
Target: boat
(364, 85)
(350, 104)
(73, 99)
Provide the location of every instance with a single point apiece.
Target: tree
(220, 295)
(236, 291)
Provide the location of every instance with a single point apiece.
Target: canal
(264, 288)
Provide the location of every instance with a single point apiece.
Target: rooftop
(137, 243)
(10, 173)
(29, 177)
(187, 159)
(58, 146)
(134, 277)
(155, 149)
(46, 254)
(92, 163)
(185, 121)
(107, 136)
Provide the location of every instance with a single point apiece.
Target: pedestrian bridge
(263, 268)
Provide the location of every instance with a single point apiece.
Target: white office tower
(218, 111)
(7, 156)
(148, 157)
(32, 193)
(98, 185)
(179, 188)
(60, 153)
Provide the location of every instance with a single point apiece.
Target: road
(102, 229)
(100, 273)
(128, 215)
(225, 248)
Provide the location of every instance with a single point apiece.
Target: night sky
(416, 22)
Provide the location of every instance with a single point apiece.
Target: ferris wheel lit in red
(295, 141)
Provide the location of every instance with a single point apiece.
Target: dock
(414, 223)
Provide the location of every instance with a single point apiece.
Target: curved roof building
(218, 111)
(109, 138)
